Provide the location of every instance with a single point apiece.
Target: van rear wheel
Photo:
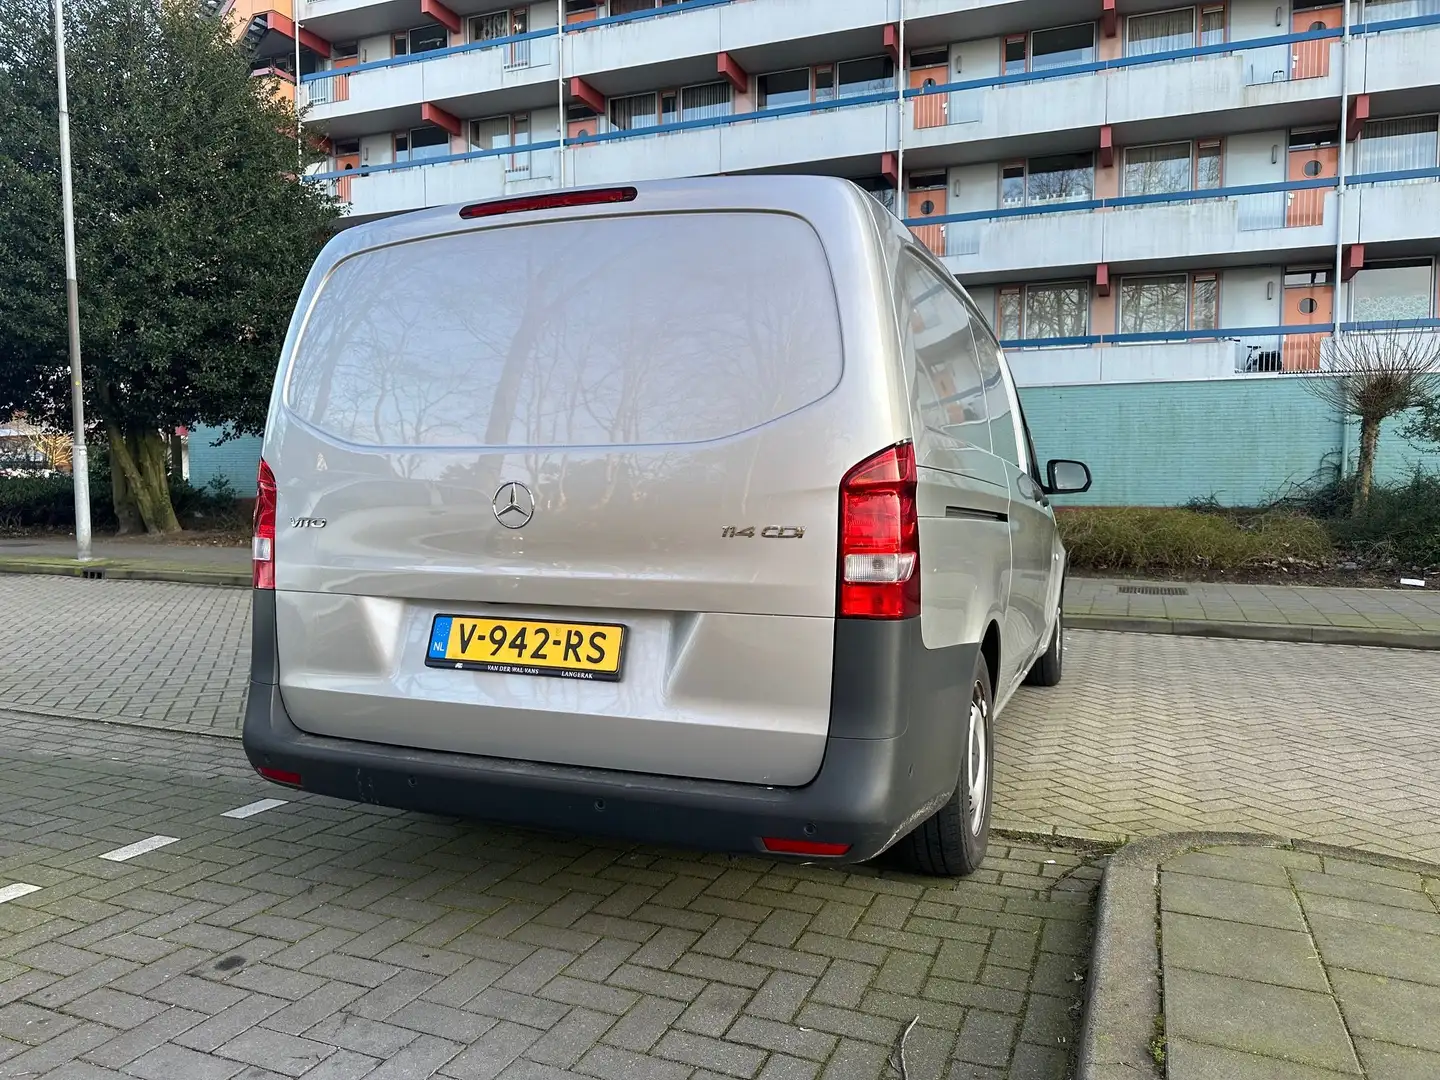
(952, 842)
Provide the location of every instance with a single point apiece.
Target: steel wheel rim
(977, 758)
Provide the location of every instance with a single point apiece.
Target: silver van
(699, 513)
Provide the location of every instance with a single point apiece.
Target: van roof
(737, 192)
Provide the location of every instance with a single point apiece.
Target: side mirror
(1066, 477)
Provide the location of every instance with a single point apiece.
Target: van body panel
(678, 382)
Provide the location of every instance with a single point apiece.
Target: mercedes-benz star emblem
(514, 506)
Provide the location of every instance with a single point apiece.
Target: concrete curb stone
(1374, 637)
(1124, 995)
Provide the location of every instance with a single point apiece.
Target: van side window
(936, 327)
(1003, 405)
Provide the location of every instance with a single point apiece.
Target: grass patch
(1161, 540)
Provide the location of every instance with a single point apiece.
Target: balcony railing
(519, 53)
(1259, 350)
(1288, 205)
(1281, 58)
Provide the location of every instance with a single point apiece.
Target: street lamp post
(78, 463)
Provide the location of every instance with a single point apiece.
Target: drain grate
(93, 575)
(1154, 590)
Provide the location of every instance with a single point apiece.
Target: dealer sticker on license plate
(527, 647)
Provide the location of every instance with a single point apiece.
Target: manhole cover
(1154, 590)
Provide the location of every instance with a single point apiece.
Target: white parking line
(251, 809)
(14, 892)
(140, 847)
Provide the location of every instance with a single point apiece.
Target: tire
(1049, 668)
(952, 842)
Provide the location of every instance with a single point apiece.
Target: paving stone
(1260, 905)
(275, 1050)
(170, 1062)
(1390, 951)
(713, 1054)
(1389, 1010)
(1242, 951)
(1261, 1019)
(1386, 1061)
(356, 1033)
(1186, 1060)
(1366, 892)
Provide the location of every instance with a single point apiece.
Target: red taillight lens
(880, 538)
(263, 544)
(279, 776)
(555, 201)
(780, 846)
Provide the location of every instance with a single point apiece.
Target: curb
(100, 569)
(1371, 636)
(1124, 983)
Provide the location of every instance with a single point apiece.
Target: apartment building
(1136, 191)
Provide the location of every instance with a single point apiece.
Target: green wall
(1243, 441)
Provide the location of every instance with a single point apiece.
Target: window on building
(1399, 145)
(345, 50)
(422, 39)
(1174, 30)
(1169, 303)
(1060, 178)
(879, 189)
(1064, 46)
(706, 101)
(630, 7)
(634, 112)
(781, 88)
(1171, 167)
(929, 58)
(872, 75)
(1053, 310)
(490, 133)
(422, 142)
(1393, 291)
(498, 24)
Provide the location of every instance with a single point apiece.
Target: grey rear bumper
(891, 759)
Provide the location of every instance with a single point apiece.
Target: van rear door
(607, 438)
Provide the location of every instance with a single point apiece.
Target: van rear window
(641, 329)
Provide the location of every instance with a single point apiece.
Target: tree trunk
(126, 513)
(141, 457)
(1365, 474)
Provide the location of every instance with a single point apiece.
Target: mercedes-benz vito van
(699, 513)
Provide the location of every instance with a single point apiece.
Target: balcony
(456, 77)
(837, 133)
(829, 134)
(1295, 216)
(1294, 78)
(1193, 354)
(381, 190)
(699, 29)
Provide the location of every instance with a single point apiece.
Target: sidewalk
(1393, 618)
(1277, 962)
(1339, 616)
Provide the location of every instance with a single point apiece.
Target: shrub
(1401, 523)
(28, 502)
(1176, 541)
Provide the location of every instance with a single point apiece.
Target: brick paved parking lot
(325, 940)
(1147, 734)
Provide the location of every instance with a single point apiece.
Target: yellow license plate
(527, 647)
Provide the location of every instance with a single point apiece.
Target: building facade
(1136, 192)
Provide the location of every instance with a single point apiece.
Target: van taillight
(880, 538)
(553, 201)
(263, 543)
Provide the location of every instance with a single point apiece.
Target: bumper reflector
(780, 846)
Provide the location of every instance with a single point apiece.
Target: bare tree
(1372, 375)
